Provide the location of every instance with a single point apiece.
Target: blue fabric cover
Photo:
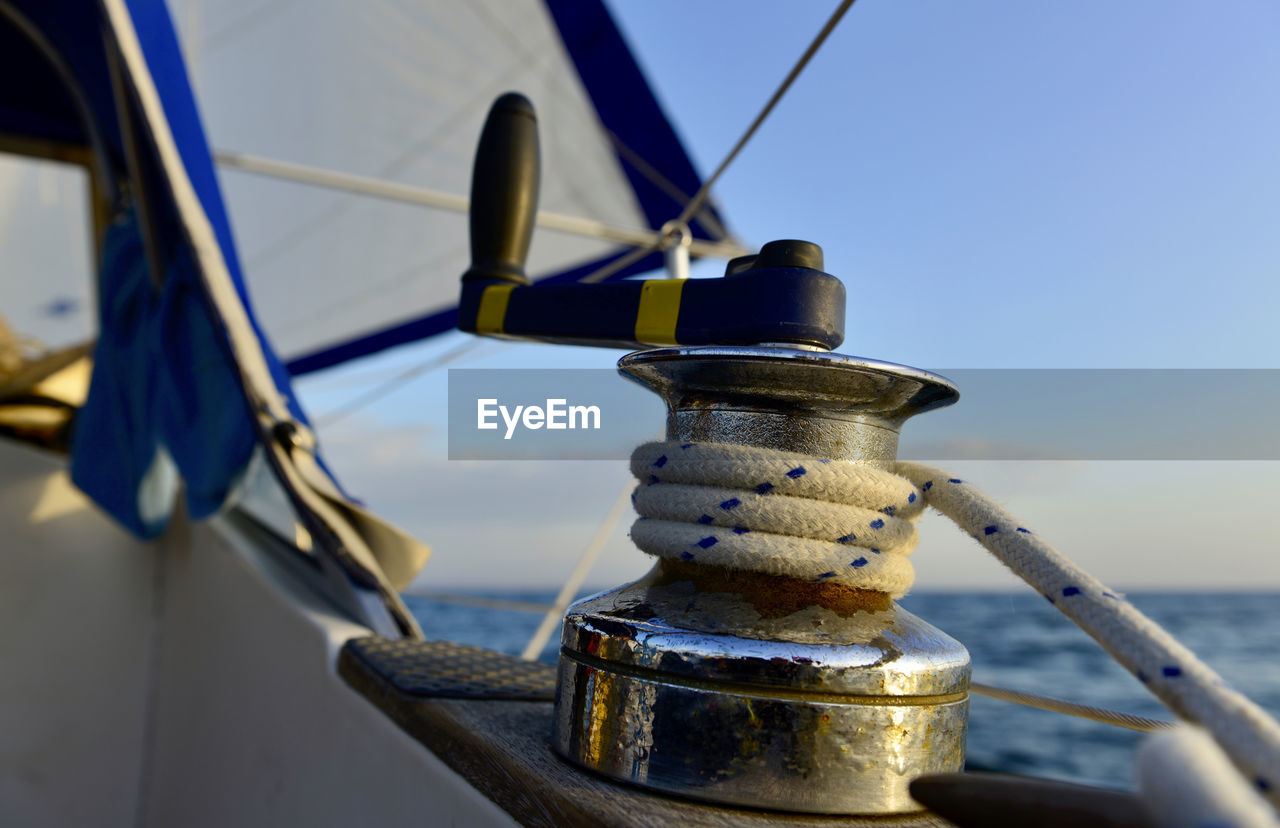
(161, 377)
(163, 371)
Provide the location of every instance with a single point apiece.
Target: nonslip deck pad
(442, 669)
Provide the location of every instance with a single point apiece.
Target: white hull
(186, 682)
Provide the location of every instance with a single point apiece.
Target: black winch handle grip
(779, 296)
(504, 192)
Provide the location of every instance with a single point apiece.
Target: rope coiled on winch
(781, 513)
(821, 520)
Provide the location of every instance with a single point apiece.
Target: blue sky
(1096, 182)
(1027, 185)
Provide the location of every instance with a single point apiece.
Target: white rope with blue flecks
(776, 512)
(833, 521)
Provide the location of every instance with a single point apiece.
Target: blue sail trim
(444, 320)
(169, 73)
(626, 106)
(161, 380)
(402, 334)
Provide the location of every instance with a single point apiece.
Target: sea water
(1018, 641)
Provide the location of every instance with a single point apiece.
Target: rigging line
(374, 394)
(551, 621)
(646, 169)
(1083, 711)
(705, 216)
(397, 164)
(391, 191)
(624, 261)
(704, 191)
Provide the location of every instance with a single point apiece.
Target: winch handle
(504, 192)
(779, 296)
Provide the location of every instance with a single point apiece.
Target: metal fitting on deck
(758, 690)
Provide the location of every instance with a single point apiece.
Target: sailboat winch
(704, 678)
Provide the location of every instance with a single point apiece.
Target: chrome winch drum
(757, 690)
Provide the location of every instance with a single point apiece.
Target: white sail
(46, 254)
(393, 90)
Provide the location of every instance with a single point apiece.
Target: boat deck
(489, 716)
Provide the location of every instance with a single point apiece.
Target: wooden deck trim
(501, 748)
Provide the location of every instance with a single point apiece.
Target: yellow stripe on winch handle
(493, 309)
(659, 310)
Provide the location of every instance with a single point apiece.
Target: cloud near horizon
(511, 524)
